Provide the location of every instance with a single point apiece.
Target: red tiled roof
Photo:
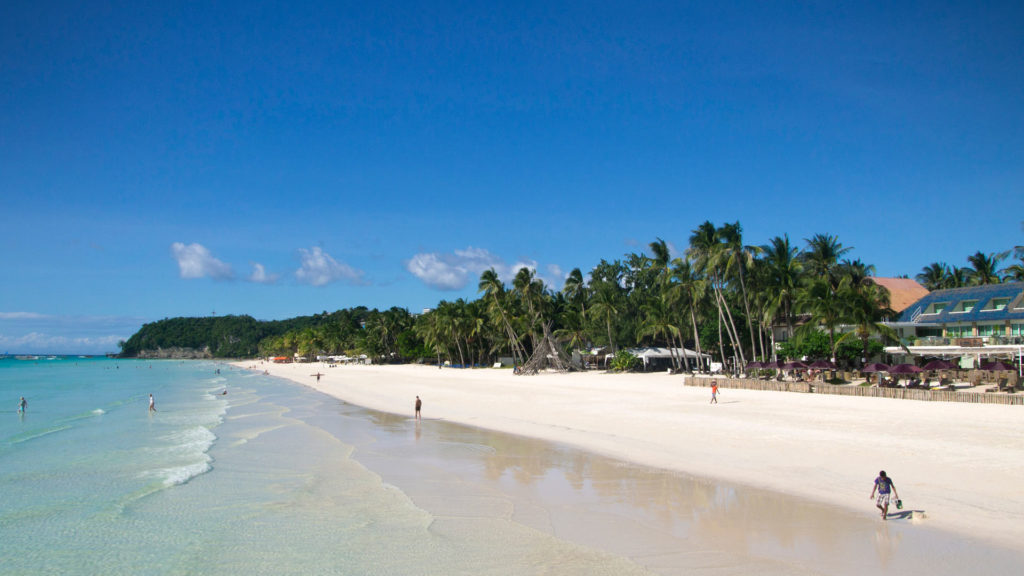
(902, 291)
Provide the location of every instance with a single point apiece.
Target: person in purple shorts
(883, 486)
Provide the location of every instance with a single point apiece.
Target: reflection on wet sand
(664, 520)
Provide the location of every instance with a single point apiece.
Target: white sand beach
(958, 467)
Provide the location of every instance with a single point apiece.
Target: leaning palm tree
(739, 258)
(709, 254)
(492, 286)
(689, 290)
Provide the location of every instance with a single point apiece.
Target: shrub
(623, 361)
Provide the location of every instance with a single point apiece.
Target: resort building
(976, 321)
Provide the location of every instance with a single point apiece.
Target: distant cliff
(206, 337)
(176, 353)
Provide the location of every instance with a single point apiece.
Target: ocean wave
(181, 474)
(33, 434)
(99, 411)
(197, 439)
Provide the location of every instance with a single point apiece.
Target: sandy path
(961, 464)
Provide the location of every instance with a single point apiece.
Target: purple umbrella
(940, 365)
(754, 364)
(821, 364)
(998, 365)
(904, 369)
(876, 367)
(794, 366)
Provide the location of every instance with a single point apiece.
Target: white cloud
(318, 269)
(22, 316)
(195, 261)
(42, 343)
(259, 275)
(434, 271)
(456, 270)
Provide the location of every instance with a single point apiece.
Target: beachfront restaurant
(970, 325)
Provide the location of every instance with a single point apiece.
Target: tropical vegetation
(719, 296)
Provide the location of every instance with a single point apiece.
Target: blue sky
(281, 159)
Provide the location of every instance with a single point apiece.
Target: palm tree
(739, 258)
(821, 301)
(934, 276)
(491, 285)
(866, 307)
(606, 305)
(1015, 272)
(708, 250)
(784, 274)
(984, 268)
(821, 258)
(657, 322)
(958, 277)
(575, 291)
(691, 290)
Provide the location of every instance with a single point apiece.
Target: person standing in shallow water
(152, 404)
(22, 405)
(883, 485)
(419, 405)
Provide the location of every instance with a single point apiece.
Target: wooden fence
(863, 391)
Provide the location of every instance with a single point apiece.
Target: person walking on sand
(419, 405)
(22, 404)
(152, 404)
(714, 392)
(883, 485)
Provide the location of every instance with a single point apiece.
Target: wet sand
(747, 483)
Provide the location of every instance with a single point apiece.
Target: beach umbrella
(875, 367)
(904, 369)
(998, 365)
(940, 365)
(754, 364)
(821, 365)
(794, 366)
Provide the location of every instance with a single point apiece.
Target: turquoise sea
(275, 478)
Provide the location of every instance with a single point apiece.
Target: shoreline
(957, 467)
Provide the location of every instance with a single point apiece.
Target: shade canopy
(939, 365)
(754, 364)
(822, 364)
(998, 365)
(875, 367)
(904, 369)
(794, 366)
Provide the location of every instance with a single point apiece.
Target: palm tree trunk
(608, 322)
(696, 340)
(735, 335)
(746, 308)
(721, 349)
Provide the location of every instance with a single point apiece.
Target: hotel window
(1017, 329)
(997, 304)
(985, 330)
(959, 331)
(937, 307)
(966, 306)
